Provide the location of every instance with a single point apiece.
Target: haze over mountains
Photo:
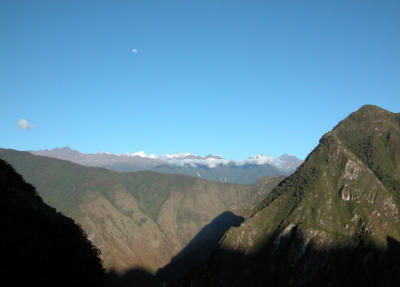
(210, 167)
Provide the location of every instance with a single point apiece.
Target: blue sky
(234, 78)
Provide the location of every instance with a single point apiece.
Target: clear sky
(234, 78)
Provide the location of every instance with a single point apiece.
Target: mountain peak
(370, 113)
(58, 152)
(372, 108)
(213, 156)
(175, 163)
(65, 148)
(345, 195)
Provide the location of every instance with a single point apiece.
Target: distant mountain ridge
(211, 167)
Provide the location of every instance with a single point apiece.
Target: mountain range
(333, 222)
(137, 219)
(210, 167)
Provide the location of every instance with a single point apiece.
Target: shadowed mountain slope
(200, 247)
(334, 222)
(139, 219)
(38, 245)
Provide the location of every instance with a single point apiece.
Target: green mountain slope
(139, 219)
(38, 245)
(334, 222)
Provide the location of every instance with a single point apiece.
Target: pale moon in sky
(134, 51)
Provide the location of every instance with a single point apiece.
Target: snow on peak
(183, 159)
(284, 162)
(143, 154)
(178, 155)
(260, 159)
(138, 154)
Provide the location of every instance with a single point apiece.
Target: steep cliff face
(334, 221)
(38, 245)
(139, 219)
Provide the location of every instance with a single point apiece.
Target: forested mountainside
(334, 222)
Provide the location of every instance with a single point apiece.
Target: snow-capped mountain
(285, 162)
(210, 167)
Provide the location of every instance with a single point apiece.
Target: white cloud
(23, 124)
(193, 160)
(135, 51)
(261, 159)
(177, 156)
(141, 154)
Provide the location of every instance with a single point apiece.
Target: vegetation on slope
(334, 222)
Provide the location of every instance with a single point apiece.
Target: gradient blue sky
(233, 78)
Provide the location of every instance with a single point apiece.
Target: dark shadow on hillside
(192, 256)
(200, 247)
(136, 277)
(289, 264)
(38, 245)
